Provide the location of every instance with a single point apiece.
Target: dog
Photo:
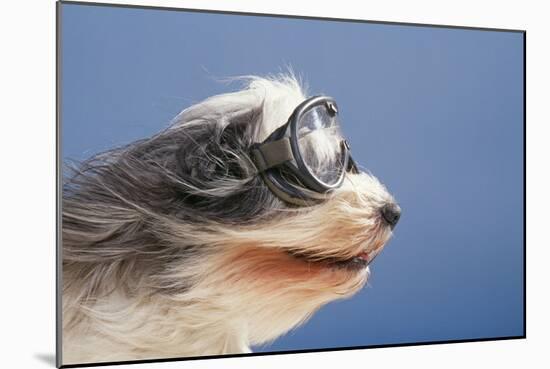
(182, 244)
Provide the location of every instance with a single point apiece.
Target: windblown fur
(173, 246)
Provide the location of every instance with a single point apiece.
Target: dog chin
(357, 263)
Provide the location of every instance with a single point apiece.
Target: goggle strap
(286, 197)
(271, 154)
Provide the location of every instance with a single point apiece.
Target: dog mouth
(356, 263)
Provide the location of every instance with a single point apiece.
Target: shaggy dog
(173, 246)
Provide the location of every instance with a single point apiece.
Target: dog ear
(218, 149)
(241, 128)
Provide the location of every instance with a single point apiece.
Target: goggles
(307, 157)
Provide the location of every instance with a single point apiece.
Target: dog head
(293, 258)
(197, 222)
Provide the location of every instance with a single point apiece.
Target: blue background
(435, 113)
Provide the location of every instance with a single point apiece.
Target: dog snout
(391, 213)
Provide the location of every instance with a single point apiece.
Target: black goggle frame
(281, 149)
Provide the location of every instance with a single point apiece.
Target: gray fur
(115, 204)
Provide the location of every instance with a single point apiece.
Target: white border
(27, 153)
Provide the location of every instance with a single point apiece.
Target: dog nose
(391, 214)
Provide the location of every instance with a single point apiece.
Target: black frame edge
(58, 197)
(306, 17)
(525, 184)
(306, 351)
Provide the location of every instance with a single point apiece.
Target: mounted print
(242, 184)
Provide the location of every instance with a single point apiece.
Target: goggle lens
(319, 142)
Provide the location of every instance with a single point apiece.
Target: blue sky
(435, 113)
